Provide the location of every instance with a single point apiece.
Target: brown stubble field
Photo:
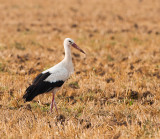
(115, 91)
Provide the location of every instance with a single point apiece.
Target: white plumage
(52, 79)
(57, 74)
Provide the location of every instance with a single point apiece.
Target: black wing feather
(39, 86)
(37, 78)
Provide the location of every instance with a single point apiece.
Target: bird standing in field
(53, 78)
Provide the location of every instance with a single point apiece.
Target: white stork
(53, 78)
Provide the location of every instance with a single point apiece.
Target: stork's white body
(62, 70)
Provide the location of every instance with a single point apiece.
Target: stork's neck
(67, 61)
(68, 56)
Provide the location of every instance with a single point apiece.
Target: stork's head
(69, 42)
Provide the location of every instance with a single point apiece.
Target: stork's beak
(75, 46)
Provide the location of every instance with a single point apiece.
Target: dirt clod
(28, 107)
(108, 80)
(133, 94)
(60, 118)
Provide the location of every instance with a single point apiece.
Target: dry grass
(115, 91)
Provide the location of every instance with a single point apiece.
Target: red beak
(75, 46)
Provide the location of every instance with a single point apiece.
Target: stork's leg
(55, 106)
(53, 101)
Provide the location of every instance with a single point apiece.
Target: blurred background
(114, 92)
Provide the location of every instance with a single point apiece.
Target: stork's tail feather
(29, 95)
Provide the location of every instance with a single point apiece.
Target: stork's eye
(70, 41)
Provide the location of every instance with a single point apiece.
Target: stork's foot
(51, 108)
